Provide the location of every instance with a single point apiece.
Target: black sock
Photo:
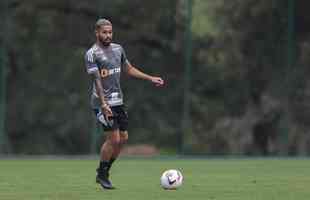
(104, 166)
(110, 163)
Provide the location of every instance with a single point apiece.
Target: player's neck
(103, 46)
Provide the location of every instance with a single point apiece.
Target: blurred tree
(243, 94)
(251, 89)
(48, 86)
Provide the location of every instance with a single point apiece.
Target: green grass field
(138, 179)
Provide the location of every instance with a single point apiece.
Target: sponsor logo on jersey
(107, 72)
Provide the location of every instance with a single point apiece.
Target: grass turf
(138, 179)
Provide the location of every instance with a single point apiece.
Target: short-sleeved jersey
(109, 61)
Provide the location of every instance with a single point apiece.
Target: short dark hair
(102, 22)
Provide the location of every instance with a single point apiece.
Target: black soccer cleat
(104, 182)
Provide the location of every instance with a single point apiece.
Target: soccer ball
(171, 179)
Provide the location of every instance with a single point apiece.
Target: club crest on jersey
(107, 72)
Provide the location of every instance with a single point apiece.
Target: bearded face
(104, 35)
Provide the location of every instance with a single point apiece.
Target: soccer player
(104, 62)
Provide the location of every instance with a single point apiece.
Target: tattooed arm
(104, 106)
(92, 69)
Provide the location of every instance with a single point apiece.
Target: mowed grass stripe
(138, 179)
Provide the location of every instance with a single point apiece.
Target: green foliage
(242, 80)
(49, 88)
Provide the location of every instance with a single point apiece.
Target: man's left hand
(157, 81)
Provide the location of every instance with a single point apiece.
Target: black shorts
(119, 120)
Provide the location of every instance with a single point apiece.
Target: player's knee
(124, 140)
(114, 139)
(124, 137)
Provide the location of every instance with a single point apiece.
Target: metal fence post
(185, 126)
(3, 38)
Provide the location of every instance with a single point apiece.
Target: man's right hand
(106, 110)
